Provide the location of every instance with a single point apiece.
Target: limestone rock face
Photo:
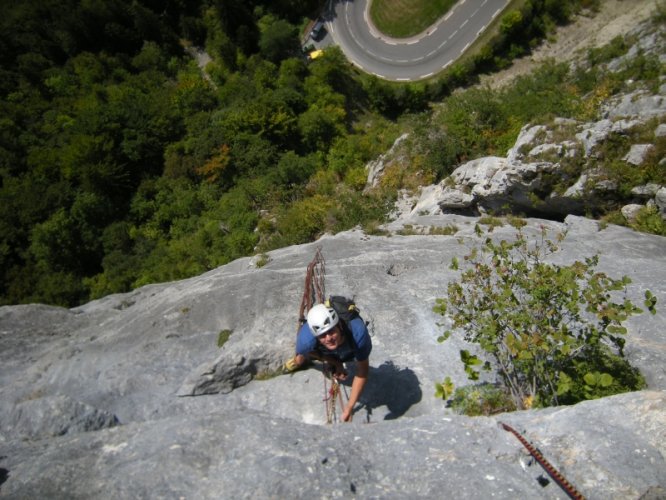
(130, 396)
(376, 168)
(637, 153)
(536, 176)
(50, 416)
(560, 168)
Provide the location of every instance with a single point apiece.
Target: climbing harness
(568, 488)
(314, 292)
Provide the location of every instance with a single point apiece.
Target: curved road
(407, 59)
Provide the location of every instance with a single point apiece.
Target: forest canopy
(123, 163)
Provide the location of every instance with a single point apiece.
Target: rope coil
(314, 289)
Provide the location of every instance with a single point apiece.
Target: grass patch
(447, 230)
(405, 18)
(409, 230)
(373, 228)
(492, 221)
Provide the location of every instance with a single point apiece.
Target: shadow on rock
(4, 475)
(396, 388)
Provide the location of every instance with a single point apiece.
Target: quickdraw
(568, 488)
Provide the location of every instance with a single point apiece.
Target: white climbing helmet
(321, 319)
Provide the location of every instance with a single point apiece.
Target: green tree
(294, 170)
(320, 125)
(511, 22)
(278, 40)
(218, 43)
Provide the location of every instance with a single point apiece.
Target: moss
(223, 336)
(262, 260)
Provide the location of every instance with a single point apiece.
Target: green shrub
(615, 48)
(649, 220)
(516, 221)
(481, 399)
(554, 333)
(595, 378)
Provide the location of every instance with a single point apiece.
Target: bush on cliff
(554, 333)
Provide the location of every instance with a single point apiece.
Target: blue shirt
(359, 350)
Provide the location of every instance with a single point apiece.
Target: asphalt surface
(348, 25)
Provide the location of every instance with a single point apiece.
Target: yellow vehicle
(315, 54)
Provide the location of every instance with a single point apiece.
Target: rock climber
(326, 337)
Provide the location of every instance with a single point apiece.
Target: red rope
(568, 488)
(314, 287)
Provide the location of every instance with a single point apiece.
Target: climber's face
(332, 339)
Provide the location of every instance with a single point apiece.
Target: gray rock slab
(129, 356)
(638, 153)
(612, 448)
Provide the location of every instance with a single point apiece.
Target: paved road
(348, 24)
